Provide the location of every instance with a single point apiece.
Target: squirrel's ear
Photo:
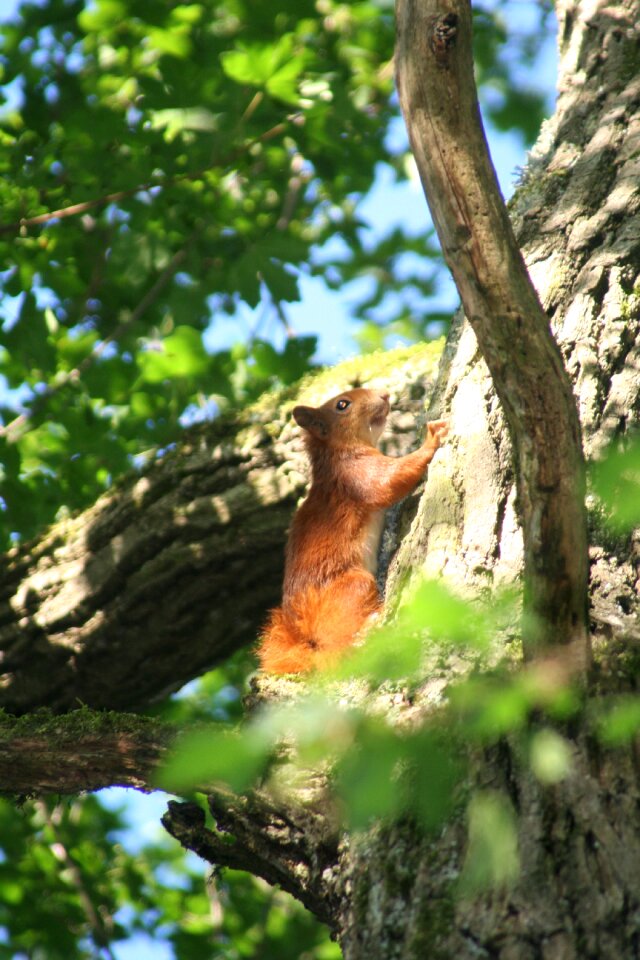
(310, 419)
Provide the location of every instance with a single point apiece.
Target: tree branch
(439, 101)
(82, 751)
(287, 845)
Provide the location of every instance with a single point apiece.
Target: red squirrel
(329, 589)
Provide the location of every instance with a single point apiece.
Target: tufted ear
(312, 420)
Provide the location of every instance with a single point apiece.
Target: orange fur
(316, 624)
(329, 588)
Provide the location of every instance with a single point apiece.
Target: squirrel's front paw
(437, 430)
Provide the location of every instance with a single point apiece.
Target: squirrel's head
(356, 416)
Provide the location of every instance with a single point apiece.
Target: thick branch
(287, 846)
(439, 101)
(82, 751)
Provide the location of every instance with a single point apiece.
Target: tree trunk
(575, 217)
(434, 69)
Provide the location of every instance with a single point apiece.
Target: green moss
(361, 895)
(630, 304)
(430, 929)
(369, 367)
(393, 854)
(357, 371)
(75, 725)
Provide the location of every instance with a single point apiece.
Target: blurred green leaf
(214, 755)
(174, 122)
(447, 617)
(435, 771)
(368, 774)
(492, 860)
(181, 354)
(619, 722)
(616, 481)
(550, 756)
(258, 64)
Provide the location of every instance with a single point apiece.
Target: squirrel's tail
(314, 626)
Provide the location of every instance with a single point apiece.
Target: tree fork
(436, 86)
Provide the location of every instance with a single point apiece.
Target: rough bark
(576, 896)
(434, 67)
(175, 569)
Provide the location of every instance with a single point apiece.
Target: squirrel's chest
(371, 541)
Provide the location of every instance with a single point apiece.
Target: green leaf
(550, 756)
(434, 772)
(616, 481)
(174, 42)
(266, 357)
(367, 778)
(188, 13)
(283, 84)
(296, 359)
(181, 354)
(619, 722)
(101, 15)
(281, 282)
(29, 353)
(257, 64)
(174, 122)
(447, 617)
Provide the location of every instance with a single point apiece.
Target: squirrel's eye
(343, 404)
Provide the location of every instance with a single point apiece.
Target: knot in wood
(444, 32)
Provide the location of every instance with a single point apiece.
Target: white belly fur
(372, 542)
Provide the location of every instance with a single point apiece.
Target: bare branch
(439, 101)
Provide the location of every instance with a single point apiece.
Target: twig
(77, 208)
(61, 852)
